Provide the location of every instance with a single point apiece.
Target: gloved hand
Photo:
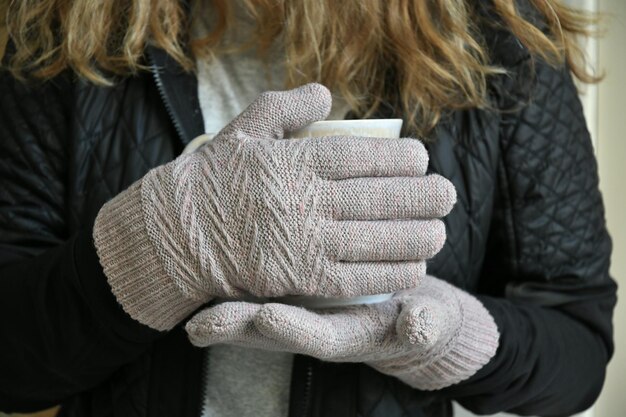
(429, 337)
(250, 214)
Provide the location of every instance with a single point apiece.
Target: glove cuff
(470, 348)
(134, 271)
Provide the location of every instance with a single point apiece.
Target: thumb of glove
(275, 112)
(419, 323)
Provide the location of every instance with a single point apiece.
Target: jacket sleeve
(546, 277)
(61, 330)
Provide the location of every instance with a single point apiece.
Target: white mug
(380, 128)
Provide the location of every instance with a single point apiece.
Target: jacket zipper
(308, 383)
(204, 374)
(168, 106)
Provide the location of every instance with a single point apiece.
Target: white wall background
(611, 151)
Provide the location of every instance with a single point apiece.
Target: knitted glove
(249, 214)
(429, 337)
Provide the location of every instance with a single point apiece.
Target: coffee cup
(380, 128)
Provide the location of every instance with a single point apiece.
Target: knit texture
(430, 337)
(450, 336)
(250, 214)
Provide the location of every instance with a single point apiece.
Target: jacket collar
(179, 91)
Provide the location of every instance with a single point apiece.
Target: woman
(515, 314)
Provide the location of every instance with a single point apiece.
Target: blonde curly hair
(434, 49)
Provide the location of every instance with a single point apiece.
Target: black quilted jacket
(527, 236)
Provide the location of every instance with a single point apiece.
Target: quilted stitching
(553, 196)
(31, 195)
(471, 138)
(119, 146)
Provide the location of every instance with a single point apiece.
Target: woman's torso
(115, 135)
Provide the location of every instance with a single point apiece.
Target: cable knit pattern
(430, 337)
(250, 214)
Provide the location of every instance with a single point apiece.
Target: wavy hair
(430, 53)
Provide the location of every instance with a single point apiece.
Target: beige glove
(429, 337)
(250, 214)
